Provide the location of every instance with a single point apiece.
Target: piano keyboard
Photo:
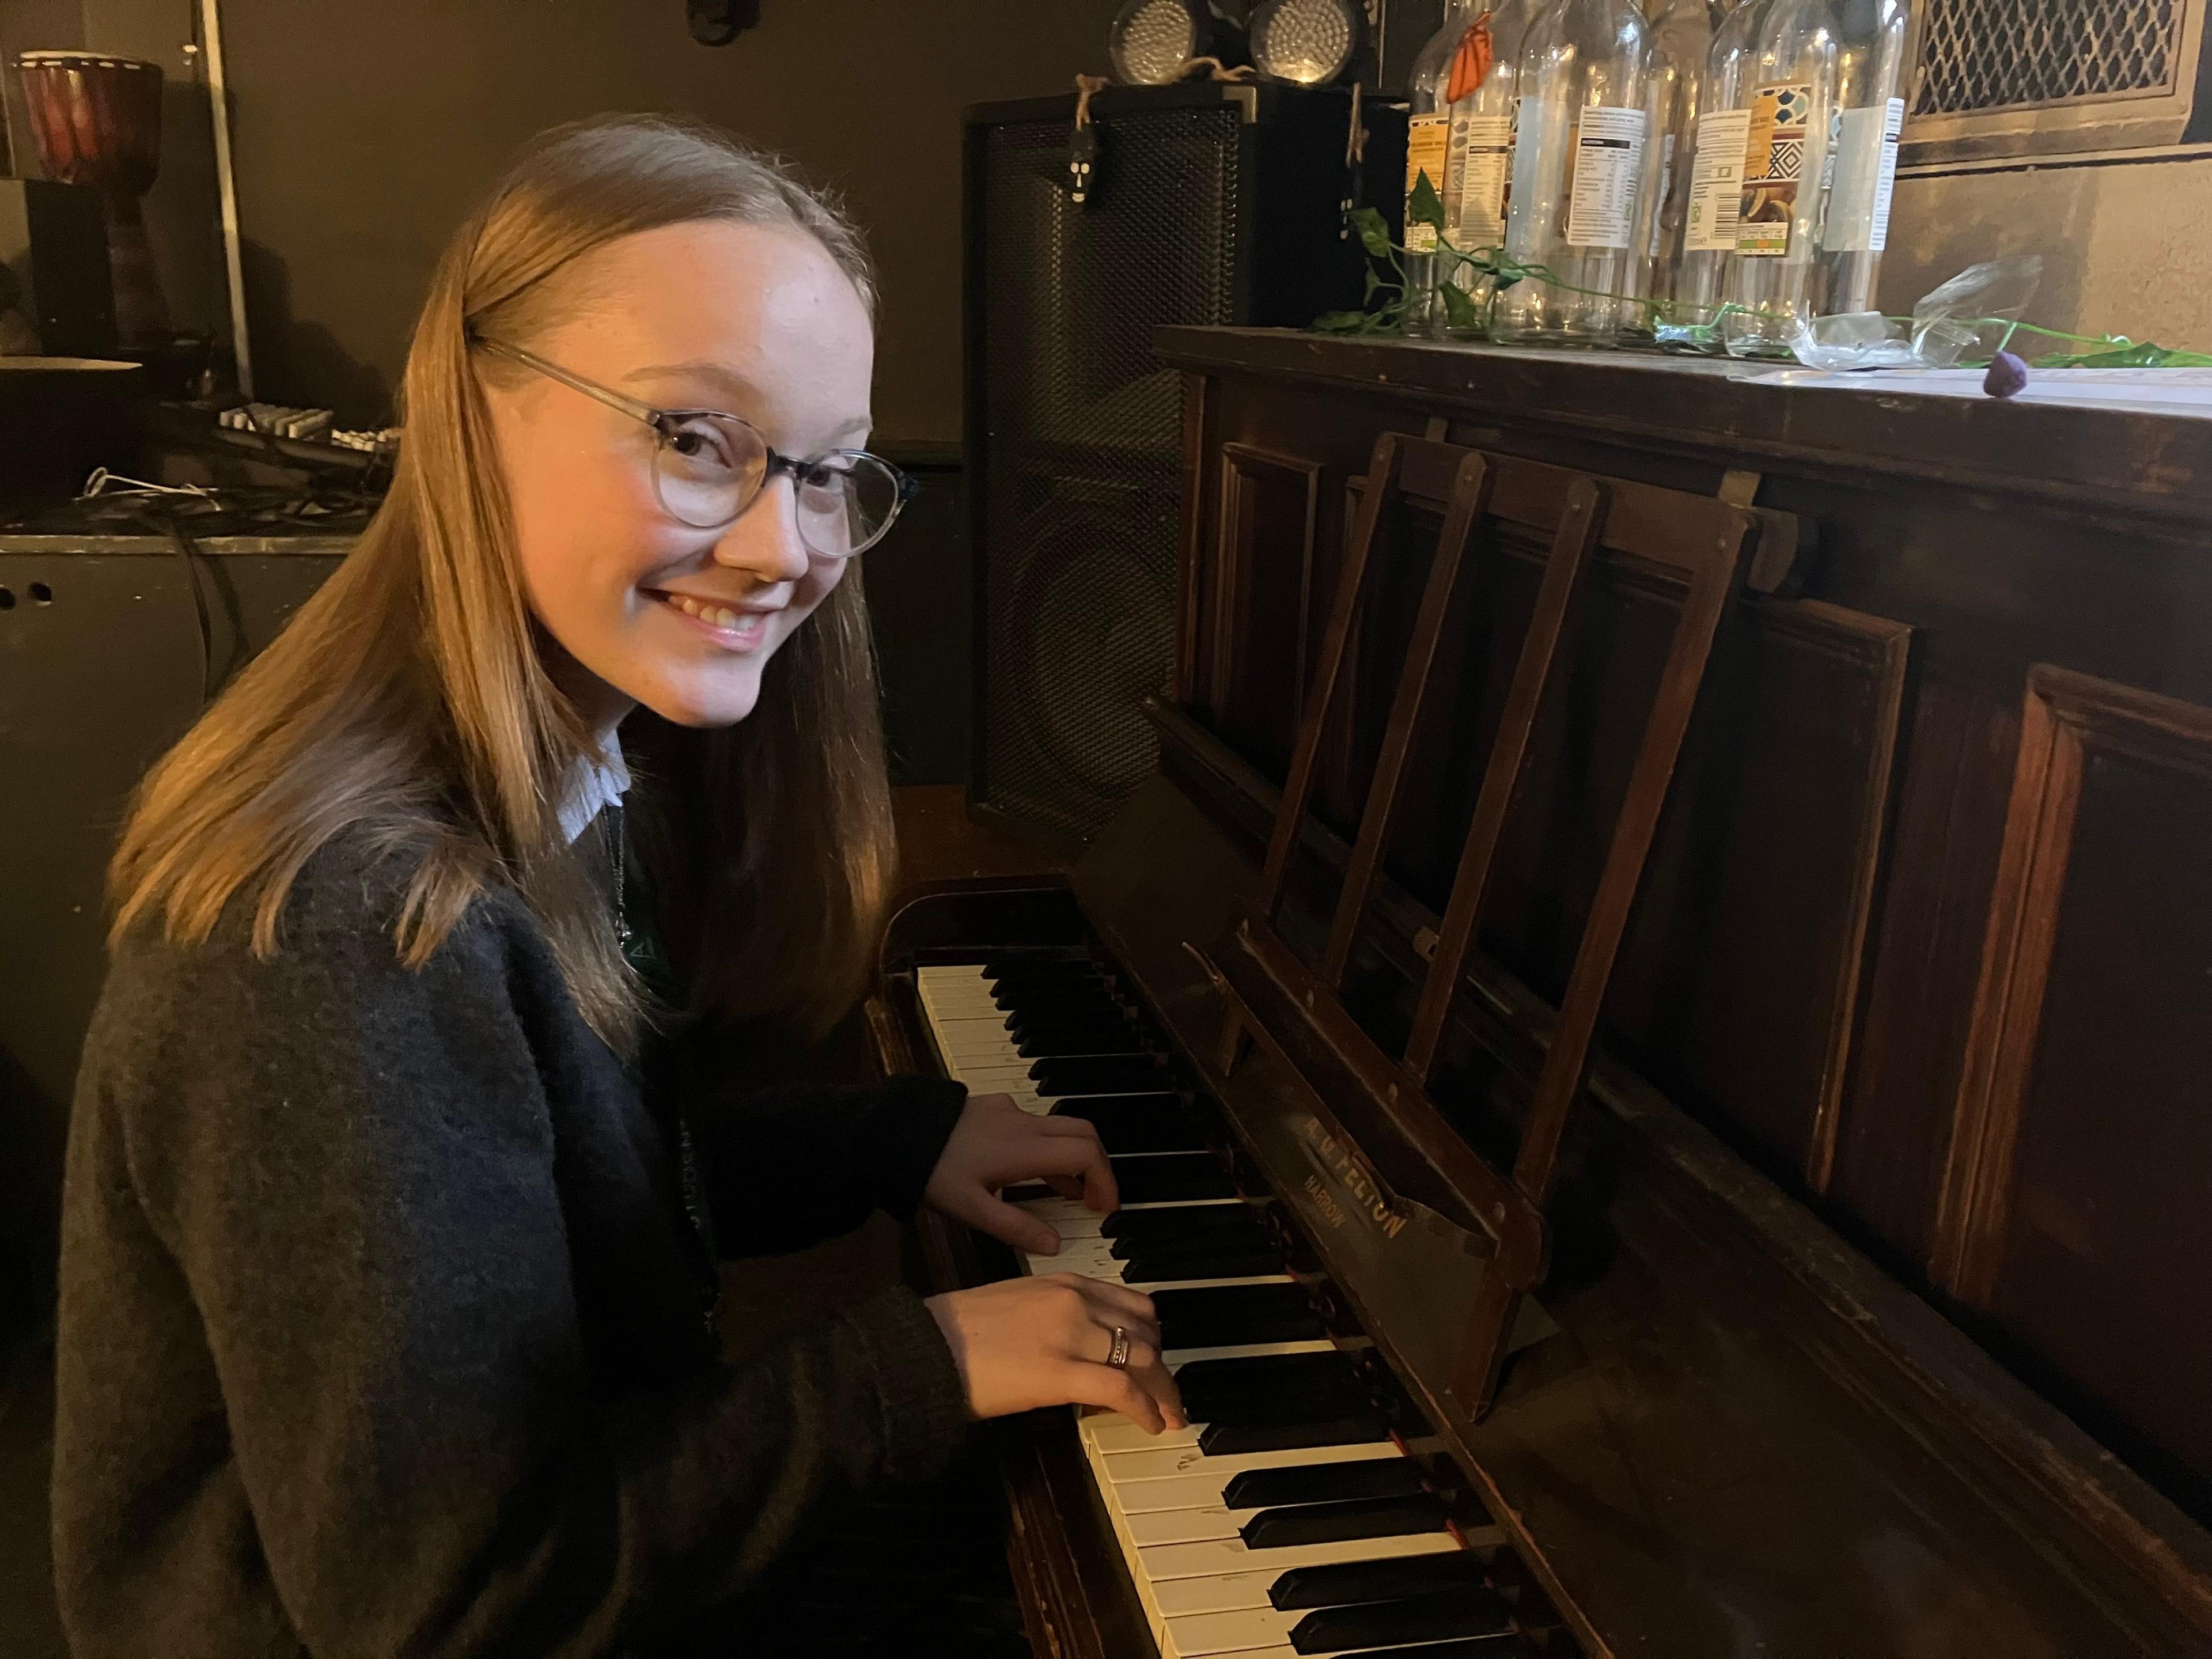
(1288, 1518)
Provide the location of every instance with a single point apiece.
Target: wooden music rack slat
(1700, 546)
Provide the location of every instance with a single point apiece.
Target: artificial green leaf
(1374, 282)
(1423, 205)
(2148, 355)
(1374, 232)
(1460, 309)
(1343, 322)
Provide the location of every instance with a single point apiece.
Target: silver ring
(1118, 1355)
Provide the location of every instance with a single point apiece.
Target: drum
(97, 121)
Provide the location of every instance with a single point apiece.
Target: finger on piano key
(1110, 1433)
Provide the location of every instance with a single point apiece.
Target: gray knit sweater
(380, 1329)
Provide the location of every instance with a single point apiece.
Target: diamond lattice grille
(2001, 54)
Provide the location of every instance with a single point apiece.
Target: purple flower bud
(2008, 376)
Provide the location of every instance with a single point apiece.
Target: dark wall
(365, 130)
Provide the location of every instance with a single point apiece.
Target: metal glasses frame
(663, 422)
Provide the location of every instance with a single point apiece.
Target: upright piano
(1653, 1022)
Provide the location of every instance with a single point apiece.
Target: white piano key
(1184, 1492)
(1175, 1357)
(1110, 1433)
(1225, 1555)
(1229, 1592)
(1199, 1635)
(1149, 1528)
(1172, 1463)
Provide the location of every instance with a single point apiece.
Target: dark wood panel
(1261, 598)
(2076, 1212)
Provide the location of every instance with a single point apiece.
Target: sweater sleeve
(790, 1166)
(365, 1213)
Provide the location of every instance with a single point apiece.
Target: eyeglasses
(708, 467)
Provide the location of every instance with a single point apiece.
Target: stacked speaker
(1187, 204)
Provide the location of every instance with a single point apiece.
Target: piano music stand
(1697, 546)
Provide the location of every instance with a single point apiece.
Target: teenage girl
(407, 1136)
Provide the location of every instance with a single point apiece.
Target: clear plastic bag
(1957, 319)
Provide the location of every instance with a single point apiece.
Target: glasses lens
(705, 469)
(846, 501)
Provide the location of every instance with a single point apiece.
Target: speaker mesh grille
(1082, 453)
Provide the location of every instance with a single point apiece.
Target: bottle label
(1486, 158)
(1666, 189)
(1773, 165)
(1866, 179)
(1428, 140)
(1717, 182)
(1608, 157)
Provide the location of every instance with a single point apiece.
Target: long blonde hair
(408, 700)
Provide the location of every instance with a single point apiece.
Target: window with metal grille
(2005, 54)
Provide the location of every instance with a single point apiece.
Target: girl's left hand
(996, 1144)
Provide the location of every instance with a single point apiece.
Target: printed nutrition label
(1717, 182)
(1485, 160)
(1608, 157)
(1866, 178)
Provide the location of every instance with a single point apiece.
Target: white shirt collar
(596, 788)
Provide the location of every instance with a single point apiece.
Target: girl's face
(752, 320)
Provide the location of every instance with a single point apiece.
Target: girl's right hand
(1024, 1343)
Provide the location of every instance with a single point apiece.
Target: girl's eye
(702, 447)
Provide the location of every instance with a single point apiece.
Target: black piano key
(1235, 1439)
(1113, 1074)
(1343, 1581)
(1171, 1178)
(1270, 1376)
(1417, 1619)
(1222, 1315)
(1334, 1523)
(1138, 1123)
(1080, 1043)
(1216, 1222)
(1322, 1482)
(1201, 1264)
(1019, 969)
(1073, 1000)
(1241, 1241)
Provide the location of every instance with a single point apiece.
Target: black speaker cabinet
(1202, 204)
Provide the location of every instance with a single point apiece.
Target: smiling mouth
(738, 628)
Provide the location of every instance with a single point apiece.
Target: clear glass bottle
(1682, 41)
(1578, 159)
(1869, 115)
(1770, 286)
(1713, 191)
(1482, 163)
(1428, 151)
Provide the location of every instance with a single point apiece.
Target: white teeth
(715, 615)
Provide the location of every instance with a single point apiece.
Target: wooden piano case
(1875, 1253)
